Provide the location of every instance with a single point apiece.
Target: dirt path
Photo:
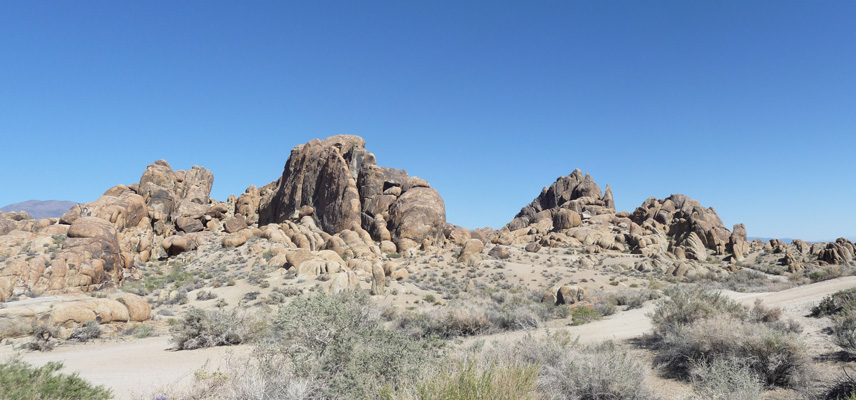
(135, 367)
(132, 368)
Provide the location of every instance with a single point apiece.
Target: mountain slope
(41, 209)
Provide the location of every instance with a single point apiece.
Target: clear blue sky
(749, 107)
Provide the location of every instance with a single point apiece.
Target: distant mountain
(789, 240)
(767, 239)
(41, 209)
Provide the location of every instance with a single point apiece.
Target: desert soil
(135, 368)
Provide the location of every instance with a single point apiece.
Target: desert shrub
(199, 328)
(605, 307)
(142, 331)
(838, 302)
(203, 295)
(470, 379)
(761, 313)
(42, 337)
(569, 370)
(91, 330)
(517, 313)
(22, 381)
(777, 358)
(825, 273)
(696, 326)
(725, 380)
(844, 388)
(584, 315)
(338, 339)
(476, 316)
(689, 304)
(844, 331)
(261, 376)
(632, 298)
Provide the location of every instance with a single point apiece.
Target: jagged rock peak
(680, 216)
(576, 192)
(338, 180)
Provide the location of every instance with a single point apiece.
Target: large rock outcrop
(68, 311)
(680, 217)
(174, 194)
(576, 192)
(335, 181)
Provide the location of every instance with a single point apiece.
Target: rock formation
(575, 192)
(685, 221)
(336, 182)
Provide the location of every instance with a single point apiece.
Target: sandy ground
(133, 368)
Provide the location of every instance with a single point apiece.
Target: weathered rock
(188, 224)
(576, 192)
(608, 200)
(694, 247)
(801, 246)
(175, 245)
(499, 252)
(738, 243)
(6, 225)
(247, 204)
(566, 219)
(68, 311)
(318, 174)
(532, 247)
(418, 214)
(471, 253)
(176, 193)
(235, 224)
(342, 281)
(570, 295)
(388, 247)
(234, 240)
(378, 280)
(217, 211)
(119, 206)
(389, 267)
(681, 216)
(839, 252)
(793, 262)
(400, 274)
(457, 235)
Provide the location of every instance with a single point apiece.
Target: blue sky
(749, 107)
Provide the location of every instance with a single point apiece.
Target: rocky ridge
(336, 216)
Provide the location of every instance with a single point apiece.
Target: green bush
(471, 380)
(584, 315)
(686, 305)
(339, 340)
(142, 331)
(22, 381)
(838, 302)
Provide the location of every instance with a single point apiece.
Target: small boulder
(499, 252)
(532, 247)
(400, 274)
